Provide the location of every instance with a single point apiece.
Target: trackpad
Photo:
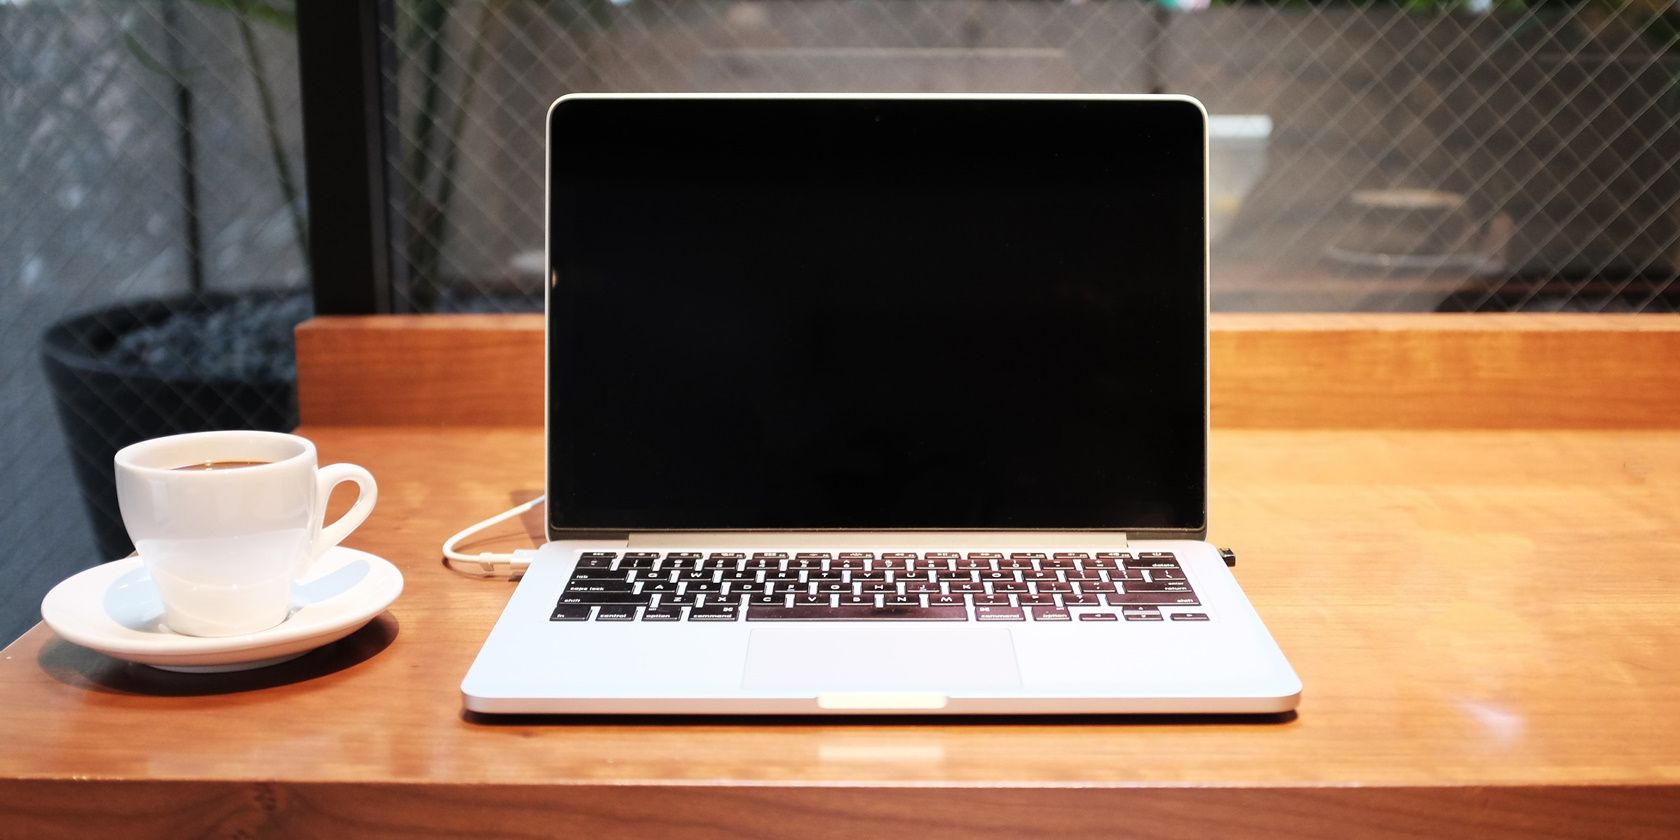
(880, 660)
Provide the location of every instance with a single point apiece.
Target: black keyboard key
(702, 586)
(993, 600)
(857, 600)
(637, 562)
(1164, 599)
(761, 563)
(1017, 562)
(881, 587)
(974, 563)
(695, 575)
(1093, 587)
(726, 555)
(662, 613)
(947, 601)
(599, 598)
(659, 586)
(616, 612)
(805, 564)
(668, 600)
(599, 586)
(718, 612)
(834, 588)
(813, 601)
(999, 575)
(601, 574)
(954, 576)
(596, 560)
(1143, 616)
(1157, 586)
(570, 613)
(757, 613)
(748, 586)
(1050, 614)
(1081, 601)
(1098, 617)
(1040, 574)
(1099, 563)
(683, 555)
(825, 576)
(1189, 616)
(1053, 586)
(1010, 586)
(768, 600)
(1152, 560)
(921, 587)
(1038, 600)
(739, 577)
(853, 563)
(902, 601)
(990, 613)
(1166, 574)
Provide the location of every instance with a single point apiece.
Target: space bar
(756, 612)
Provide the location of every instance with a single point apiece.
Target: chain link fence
(1478, 155)
(1484, 156)
(150, 253)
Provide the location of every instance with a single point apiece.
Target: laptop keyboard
(864, 586)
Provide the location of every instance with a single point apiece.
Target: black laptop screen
(883, 314)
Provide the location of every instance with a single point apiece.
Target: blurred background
(155, 223)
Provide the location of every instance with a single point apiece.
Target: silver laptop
(877, 404)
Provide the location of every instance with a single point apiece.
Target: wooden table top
(1487, 624)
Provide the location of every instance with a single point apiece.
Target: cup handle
(326, 478)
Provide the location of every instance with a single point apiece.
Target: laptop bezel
(557, 534)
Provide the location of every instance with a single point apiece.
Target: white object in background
(1236, 160)
(225, 546)
(114, 608)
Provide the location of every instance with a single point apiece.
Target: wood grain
(1484, 621)
(421, 370)
(152, 809)
(1267, 371)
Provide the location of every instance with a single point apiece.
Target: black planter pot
(107, 399)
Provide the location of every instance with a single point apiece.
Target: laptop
(877, 404)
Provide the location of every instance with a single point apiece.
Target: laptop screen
(820, 313)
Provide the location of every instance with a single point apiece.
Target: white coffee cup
(225, 545)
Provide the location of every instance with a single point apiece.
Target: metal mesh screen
(1365, 156)
(149, 257)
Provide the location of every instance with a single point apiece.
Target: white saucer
(114, 609)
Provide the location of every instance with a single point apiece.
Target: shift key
(601, 598)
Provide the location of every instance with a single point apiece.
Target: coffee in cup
(227, 522)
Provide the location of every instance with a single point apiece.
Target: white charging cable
(487, 563)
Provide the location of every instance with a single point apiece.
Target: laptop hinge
(924, 540)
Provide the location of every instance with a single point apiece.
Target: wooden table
(1487, 623)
